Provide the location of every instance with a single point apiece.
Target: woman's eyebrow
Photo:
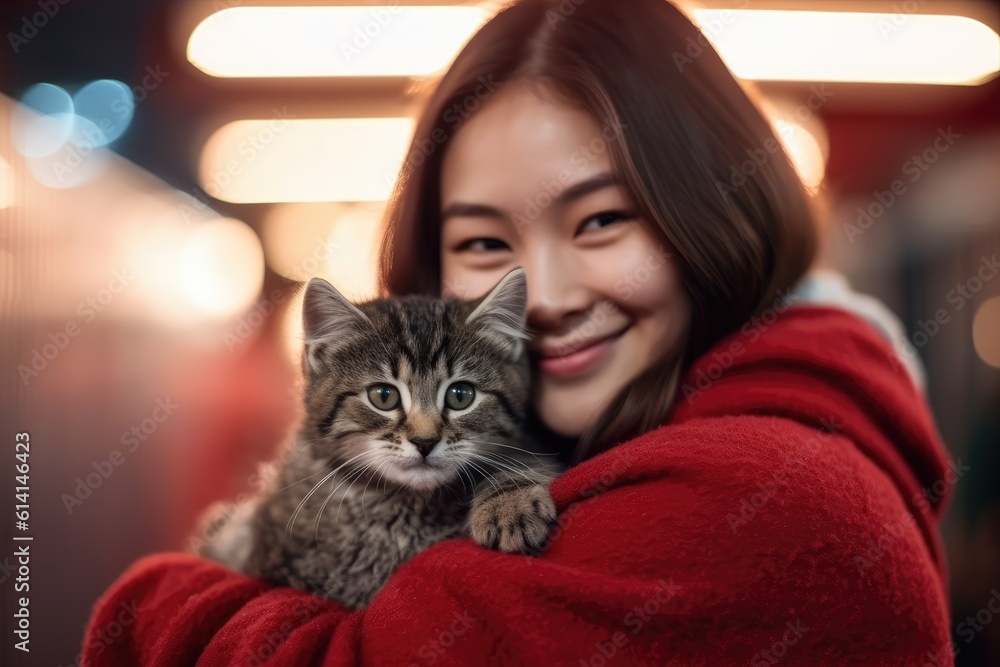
(572, 193)
(593, 184)
(464, 210)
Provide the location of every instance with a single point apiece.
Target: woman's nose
(556, 287)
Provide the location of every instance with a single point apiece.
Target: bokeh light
(108, 104)
(986, 332)
(43, 122)
(305, 160)
(222, 267)
(335, 241)
(331, 41)
(78, 160)
(869, 47)
(804, 150)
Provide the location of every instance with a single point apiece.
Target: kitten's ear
(503, 312)
(328, 318)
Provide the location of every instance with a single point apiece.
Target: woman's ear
(502, 314)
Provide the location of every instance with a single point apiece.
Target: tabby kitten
(412, 435)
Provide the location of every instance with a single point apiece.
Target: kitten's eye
(383, 396)
(459, 395)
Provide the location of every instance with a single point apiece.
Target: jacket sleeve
(697, 543)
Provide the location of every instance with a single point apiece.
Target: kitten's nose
(425, 444)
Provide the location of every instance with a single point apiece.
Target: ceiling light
(324, 159)
(331, 41)
(773, 45)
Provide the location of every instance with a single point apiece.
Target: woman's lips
(580, 361)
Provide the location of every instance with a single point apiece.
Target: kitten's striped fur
(365, 489)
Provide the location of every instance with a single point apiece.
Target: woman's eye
(605, 218)
(482, 245)
(459, 395)
(383, 396)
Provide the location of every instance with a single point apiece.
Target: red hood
(858, 388)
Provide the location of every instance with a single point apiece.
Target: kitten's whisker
(295, 514)
(313, 441)
(300, 481)
(374, 475)
(461, 476)
(520, 449)
(384, 483)
(322, 507)
(544, 469)
(291, 520)
(349, 489)
(353, 474)
(510, 471)
(463, 463)
(486, 475)
(506, 458)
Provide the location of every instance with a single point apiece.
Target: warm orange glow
(986, 332)
(222, 267)
(311, 160)
(799, 128)
(374, 40)
(783, 45)
(338, 242)
(757, 44)
(804, 150)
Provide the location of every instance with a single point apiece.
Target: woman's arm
(705, 542)
(781, 513)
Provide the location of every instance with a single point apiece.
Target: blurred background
(170, 171)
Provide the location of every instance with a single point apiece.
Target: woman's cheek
(658, 284)
(466, 283)
(641, 273)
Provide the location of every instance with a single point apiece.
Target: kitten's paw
(515, 521)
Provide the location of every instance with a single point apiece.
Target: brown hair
(698, 158)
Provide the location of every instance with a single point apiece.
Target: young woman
(751, 478)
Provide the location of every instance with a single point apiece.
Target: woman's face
(528, 183)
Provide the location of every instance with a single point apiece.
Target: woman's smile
(572, 361)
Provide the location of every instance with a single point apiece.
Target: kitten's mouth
(416, 464)
(418, 474)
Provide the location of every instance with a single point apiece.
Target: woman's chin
(568, 423)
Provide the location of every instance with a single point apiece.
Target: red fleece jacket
(787, 512)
